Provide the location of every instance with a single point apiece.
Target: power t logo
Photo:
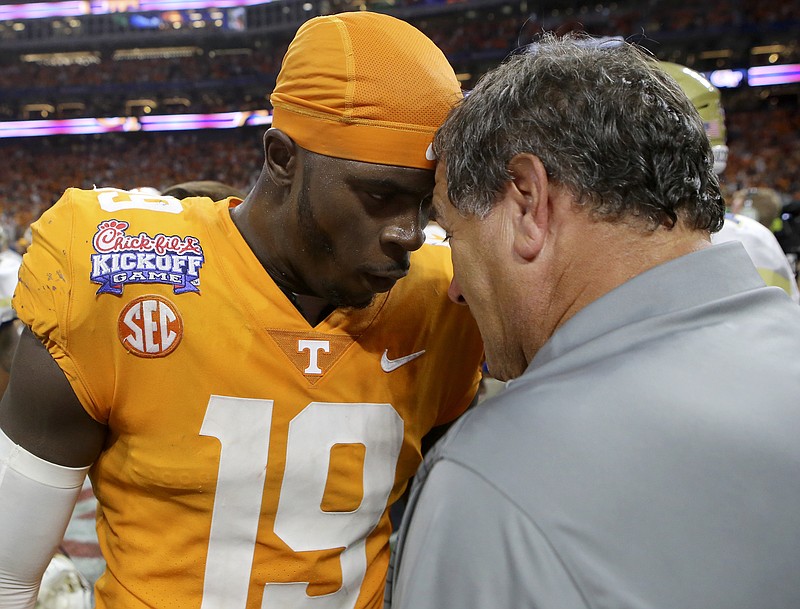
(123, 258)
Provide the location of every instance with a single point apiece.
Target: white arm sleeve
(36, 502)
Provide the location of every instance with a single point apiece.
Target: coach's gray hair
(607, 123)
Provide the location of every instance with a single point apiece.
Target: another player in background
(759, 241)
(249, 381)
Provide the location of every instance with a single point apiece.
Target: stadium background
(147, 93)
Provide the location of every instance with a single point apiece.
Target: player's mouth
(383, 281)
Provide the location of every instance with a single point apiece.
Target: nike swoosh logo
(390, 365)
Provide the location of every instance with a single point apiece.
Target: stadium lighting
(160, 122)
(76, 8)
(773, 75)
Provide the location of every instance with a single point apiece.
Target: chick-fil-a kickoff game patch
(122, 259)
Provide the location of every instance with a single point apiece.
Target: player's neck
(254, 219)
(313, 308)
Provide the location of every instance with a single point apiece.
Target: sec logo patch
(150, 326)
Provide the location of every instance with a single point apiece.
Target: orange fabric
(248, 415)
(366, 87)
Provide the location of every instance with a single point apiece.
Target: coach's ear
(527, 196)
(280, 154)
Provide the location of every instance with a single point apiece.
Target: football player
(761, 244)
(249, 381)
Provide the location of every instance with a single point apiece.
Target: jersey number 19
(243, 429)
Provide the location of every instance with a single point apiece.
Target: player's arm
(47, 442)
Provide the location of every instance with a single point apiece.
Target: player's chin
(352, 299)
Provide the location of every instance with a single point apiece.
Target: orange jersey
(251, 458)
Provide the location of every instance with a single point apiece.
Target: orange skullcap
(366, 87)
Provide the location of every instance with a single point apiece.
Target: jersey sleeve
(42, 296)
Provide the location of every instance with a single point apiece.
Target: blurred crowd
(236, 73)
(762, 133)
(36, 171)
(765, 149)
(763, 152)
(203, 82)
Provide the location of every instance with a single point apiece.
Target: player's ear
(280, 154)
(527, 194)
